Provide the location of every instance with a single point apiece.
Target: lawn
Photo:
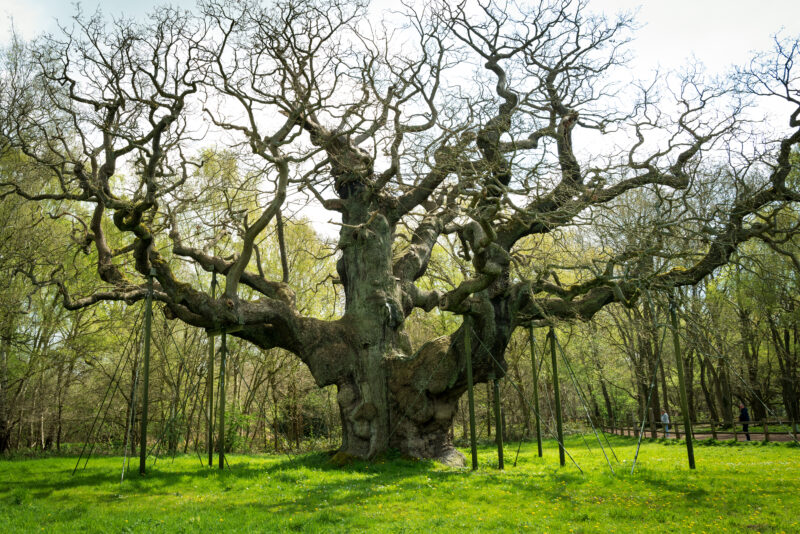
(736, 488)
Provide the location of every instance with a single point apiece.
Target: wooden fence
(767, 430)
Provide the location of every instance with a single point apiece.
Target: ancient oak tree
(484, 128)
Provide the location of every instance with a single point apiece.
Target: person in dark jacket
(744, 418)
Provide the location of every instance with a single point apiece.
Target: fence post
(735, 432)
(713, 430)
(766, 431)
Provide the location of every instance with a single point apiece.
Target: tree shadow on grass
(397, 474)
(314, 478)
(659, 483)
(45, 483)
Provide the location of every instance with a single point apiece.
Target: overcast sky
(717, 32)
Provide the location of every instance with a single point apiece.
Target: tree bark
(704, 371)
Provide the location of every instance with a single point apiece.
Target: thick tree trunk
(641, 390)
(650, 349)
(384, 400)
(705, 366)
(726, 395)
(688, 364)
(610, 413)
(664, 390)
(372, 314)
(750, 352)
(523, 402)
(390, 396)
(787, 364)
(5, 412)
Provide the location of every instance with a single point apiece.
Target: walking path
(722, 436)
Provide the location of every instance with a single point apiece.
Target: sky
(717, 33)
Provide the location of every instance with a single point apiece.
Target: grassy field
(736, 488)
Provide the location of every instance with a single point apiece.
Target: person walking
(665, 422)
(744, 418)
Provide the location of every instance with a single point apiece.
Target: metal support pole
(535, 389)
(681, 381)
(498, 424)
(221, 438)
(210, 382)
(470, 391)
(148, 323)
(557, 398)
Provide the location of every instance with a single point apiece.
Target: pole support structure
(557, 398)
(221, 438)
(470, 390)
(148, 325)
(535, 371)
(498, 423)
(210, 380)
(681, 380)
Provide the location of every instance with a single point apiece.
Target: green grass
(736, 488)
